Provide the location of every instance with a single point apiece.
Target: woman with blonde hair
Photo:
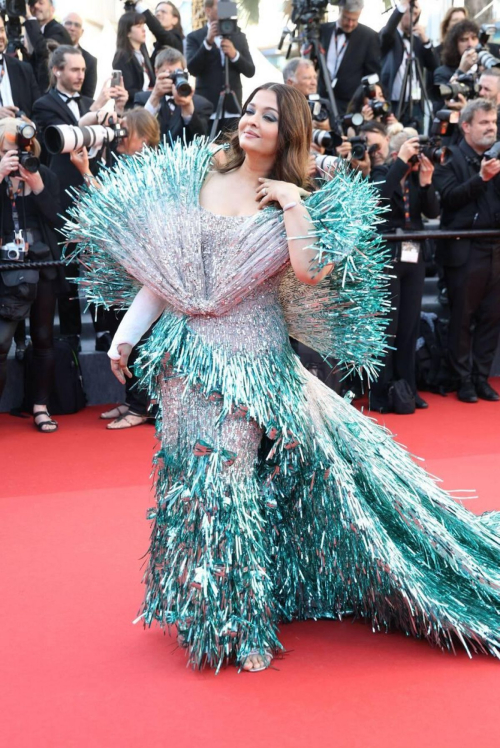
(29, 205)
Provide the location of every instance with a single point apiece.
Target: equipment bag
(432, 370)
(68, 394)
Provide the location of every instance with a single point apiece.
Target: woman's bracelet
(289, 206)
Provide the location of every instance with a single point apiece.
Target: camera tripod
(412, 73)
(220, 110)
(311, 49)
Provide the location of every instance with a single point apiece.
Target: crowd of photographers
(419, 121)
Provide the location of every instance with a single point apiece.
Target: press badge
(410, 251)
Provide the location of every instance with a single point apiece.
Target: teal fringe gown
(276, 500)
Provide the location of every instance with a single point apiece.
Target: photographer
(18, 87)
(370, 101)
(63, 105)
(142, 130)
(405, 184)
(165, 25)
(395, 46)
(352, 51)
(207, 51)
(180, 114)
(40, 26)
(300, 73)
(470, 195)
(489, 86)
(29, 204)
(131, 56)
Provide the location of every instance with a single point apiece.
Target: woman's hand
(274, 191)
(9, 163)
(80, 159)
(119, 367)
(410, 148)
(367, 112)
(468, 59)
(34, 181)
(425, 171)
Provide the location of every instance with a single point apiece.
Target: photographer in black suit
(64, 105)
(178, 116)
(206, 52)
(395, 47)
(40, 26)
(352, 51)
(18, 87)
(469, 186)
(165, 26)
(403, 176)
(73, 23)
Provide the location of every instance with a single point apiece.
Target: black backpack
(433, 373)
(68, 395)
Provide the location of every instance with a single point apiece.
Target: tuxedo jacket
(133, 74)
(39, 59)
(361, 57)
(90, 82)
(52, 110)
(171, 123)
(208, 70)
(468, 202)
(23, 84)
(392, 48)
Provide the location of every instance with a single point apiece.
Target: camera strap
(410, 251)
(13, 195)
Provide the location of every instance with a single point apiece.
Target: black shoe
(467, 392)
(486, 392)
(379, 406)
(103, 342)
(420, 403)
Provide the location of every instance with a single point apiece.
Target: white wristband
(289, 206)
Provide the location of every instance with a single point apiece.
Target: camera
(493, 152)
(129, 5)
(381, 108)
(14, 8)
(433, 149)
(326, 163)
(444, 123)
(181, 82)
(484, 56)
(319, 112)
(354, 119)
(358, 147)
(369, 82)
(305, 12)
(326, 139)
(227, 17)
(68, 138)
(465, 84)
(14, 252)
(25, 135)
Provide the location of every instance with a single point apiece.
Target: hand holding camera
(426, 171)
(468, 59)
(410, 149)
(228, 48)
(8, 111)
(490, 167)
(80, 159)
(9, 163)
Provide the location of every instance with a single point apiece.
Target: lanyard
(339, 53)
(406, 198)
(18, 233)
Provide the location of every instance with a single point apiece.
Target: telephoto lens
(326, 163)
(326, 138)
(358, 148)
(380, 108)
(181, 82)
(67, 138)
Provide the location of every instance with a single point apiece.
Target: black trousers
(406, 289)
(136, 398)
(474, 296)
(70, 317)
(42, 335)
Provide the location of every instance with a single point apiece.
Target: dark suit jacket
(90, 82)
(52, 110)
(133, 74)
(206, 66)
(23, 84)
(39, 59)
(361, 57)
(392, 49)
(171, 122)
(461, 189)
(163, 37)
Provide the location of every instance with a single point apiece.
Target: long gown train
(276, 499)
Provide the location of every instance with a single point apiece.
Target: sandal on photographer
(43, 421)
(127, 420)
(116, 412)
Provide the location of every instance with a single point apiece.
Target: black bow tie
(339, 31)
(67, 98)
(406, 36)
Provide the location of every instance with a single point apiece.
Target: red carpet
(77, 674)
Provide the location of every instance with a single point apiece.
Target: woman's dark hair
(294, 137)
(127, 20)
(357, 102)
(445, 23)
(450, 55)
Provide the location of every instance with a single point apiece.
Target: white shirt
(416, 93)
(218, 40)
(73, 106)
(140, 59)
(5, 87)
(336, 52)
